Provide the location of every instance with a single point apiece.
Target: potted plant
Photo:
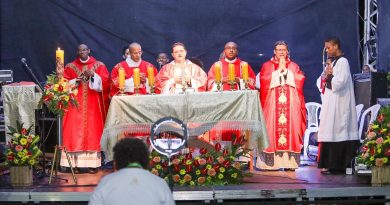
(375, 151)
(22, 154)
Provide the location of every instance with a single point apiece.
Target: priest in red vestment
(231, 53)
(181, 75)
(83, 125)
(230, 57)
(131, 62)
(282, 100)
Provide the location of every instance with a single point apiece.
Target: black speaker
(369, 87)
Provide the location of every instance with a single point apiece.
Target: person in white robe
(338, 130)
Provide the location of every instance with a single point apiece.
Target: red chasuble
(83, 125)
(284, 109)
(143, 68)
(225, 71)
(227, 135)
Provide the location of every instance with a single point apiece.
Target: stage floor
(304, 184)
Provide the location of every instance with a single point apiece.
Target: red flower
(387, 152)
(217, 147)
(196, 163)
(372, 151)
(235, 141)
(225, 152)
(203, 150)
(188, 156)
(24, 131)
(216, 167)
(189, 168)
(209, 159)
(176, 168)
(226, 163)
(365, 148)
(47, 98)
(47, 86)
(60, 88)
(204, 171)
(380, 118)
(60, 105)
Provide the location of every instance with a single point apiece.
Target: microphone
(23, 60)
(32, 75)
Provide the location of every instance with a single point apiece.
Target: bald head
(135, 51)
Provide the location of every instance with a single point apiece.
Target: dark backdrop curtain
(34, 29)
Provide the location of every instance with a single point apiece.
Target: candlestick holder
(152, 91)
(231, 83)
(136, 90)
(218, 86)
(121, 91)
(246, 84)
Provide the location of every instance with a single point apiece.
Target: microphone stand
(32, 75)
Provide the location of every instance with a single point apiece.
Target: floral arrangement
(214, 167)
(59, 94)
(376, 147)
(22, 148)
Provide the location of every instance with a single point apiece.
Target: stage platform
(306, 185)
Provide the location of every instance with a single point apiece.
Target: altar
(201, 112)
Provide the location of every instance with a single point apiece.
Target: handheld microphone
(24, 61)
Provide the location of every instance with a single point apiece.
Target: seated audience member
(132, 183)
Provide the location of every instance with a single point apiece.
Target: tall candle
(232, 73)
(60, 55)
(244, 71)
(136, 77)
(150, 75)
(217, 70)
(121, 78)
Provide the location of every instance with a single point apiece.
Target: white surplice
(338, 113)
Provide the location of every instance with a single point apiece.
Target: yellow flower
(158, 166)
(220, 176)
(182, 172)
(234, 175)
(16, 161)
(222, 169)
(208, 166)
(385, 160)
(197, 172)
(375, 126)
(23, 141)
(55, 88)
(379, 151)
(188, 162)
(21, 154)
(372, 158)
(66, 98)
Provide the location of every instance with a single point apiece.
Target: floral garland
(59, 94)
(22, 148)
(215, 167)
(376, 147)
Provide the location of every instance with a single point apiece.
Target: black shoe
(92, 170)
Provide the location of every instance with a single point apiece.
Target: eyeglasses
(231, 48)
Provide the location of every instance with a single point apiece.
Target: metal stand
(57, 154)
